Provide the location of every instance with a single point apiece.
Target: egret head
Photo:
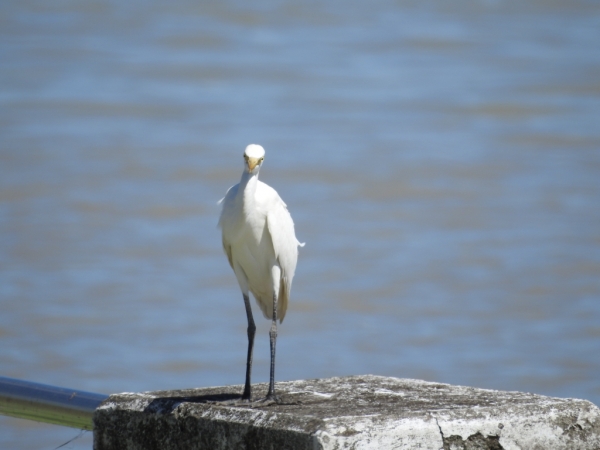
(254, 155)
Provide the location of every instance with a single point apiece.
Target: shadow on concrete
(163, 405)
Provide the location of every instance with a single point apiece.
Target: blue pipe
(51, 404)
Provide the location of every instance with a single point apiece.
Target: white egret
(262, 249)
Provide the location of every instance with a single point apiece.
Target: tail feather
(266, 303)
(282, 299)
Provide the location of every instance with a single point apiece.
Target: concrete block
(357, 412)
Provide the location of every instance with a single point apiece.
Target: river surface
(441, 162)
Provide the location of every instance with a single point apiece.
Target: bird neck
(248, 185)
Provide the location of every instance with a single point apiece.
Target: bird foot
(232, 402)
(248, 403)
(270, 399)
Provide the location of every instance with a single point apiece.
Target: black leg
(247, 395)
(273, 340)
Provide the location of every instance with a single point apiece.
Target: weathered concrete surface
(358, 412)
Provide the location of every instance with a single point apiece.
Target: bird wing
(285, 246)
(227, 249)
(226, 208)
(281, 229)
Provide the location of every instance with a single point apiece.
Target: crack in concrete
(441, 432)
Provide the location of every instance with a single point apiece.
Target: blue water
(441, 162)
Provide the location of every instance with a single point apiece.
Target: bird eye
(261, 159)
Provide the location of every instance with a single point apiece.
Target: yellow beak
(252, 163)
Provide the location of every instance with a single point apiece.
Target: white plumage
(261, 246)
